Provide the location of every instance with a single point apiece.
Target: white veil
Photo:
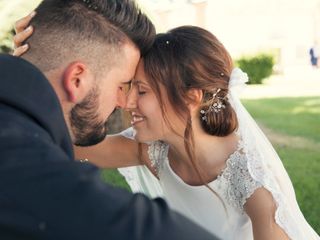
(264, 166)
(139, 178)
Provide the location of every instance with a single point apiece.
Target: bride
(193, 143)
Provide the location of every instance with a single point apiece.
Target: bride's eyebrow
(138, 82)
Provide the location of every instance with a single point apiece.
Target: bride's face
(147, 117)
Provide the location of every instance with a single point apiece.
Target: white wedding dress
(197, 202)
(254, 164)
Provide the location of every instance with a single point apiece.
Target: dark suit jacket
(45, 194)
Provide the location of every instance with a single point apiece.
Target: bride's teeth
(136, 119)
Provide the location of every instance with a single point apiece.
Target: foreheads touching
(76, 42)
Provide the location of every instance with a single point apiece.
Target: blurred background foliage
(258, 67)
(10, 11)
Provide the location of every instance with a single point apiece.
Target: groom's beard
(86, 126)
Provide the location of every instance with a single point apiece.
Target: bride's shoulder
(236, 182)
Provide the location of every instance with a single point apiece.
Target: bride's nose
(132, 99)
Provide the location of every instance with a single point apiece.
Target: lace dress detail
(158, 152)
(235, 182)
(283, 216)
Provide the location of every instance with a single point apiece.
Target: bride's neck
(209, 150)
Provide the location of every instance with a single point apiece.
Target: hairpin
(90, 5)
(215, 106)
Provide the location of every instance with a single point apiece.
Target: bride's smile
(136, 118)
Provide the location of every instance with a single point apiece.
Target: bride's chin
(141, 137)
(138, 137)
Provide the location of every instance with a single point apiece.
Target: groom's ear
(76, 81)
(194, 98)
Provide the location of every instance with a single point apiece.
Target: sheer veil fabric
(139, 178)
(264, 166)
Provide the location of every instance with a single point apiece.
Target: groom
(87, 52)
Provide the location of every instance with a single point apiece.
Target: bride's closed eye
(141, 92)
(141, 87)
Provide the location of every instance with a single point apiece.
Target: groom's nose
(122, 101)
(132, 99)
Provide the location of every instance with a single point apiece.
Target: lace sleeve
(236, 181)
(158, 152)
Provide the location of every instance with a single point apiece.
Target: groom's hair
(88, 30)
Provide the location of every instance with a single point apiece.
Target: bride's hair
(190, 57)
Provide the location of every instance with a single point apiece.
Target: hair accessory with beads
(90, 5)
(215, 105)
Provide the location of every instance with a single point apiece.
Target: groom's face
(89, 118)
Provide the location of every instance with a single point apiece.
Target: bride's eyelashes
(141, 92)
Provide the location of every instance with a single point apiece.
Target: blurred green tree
(258, 67)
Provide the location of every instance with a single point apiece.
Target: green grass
(292, 116)
(297, 122)
(113, 177)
